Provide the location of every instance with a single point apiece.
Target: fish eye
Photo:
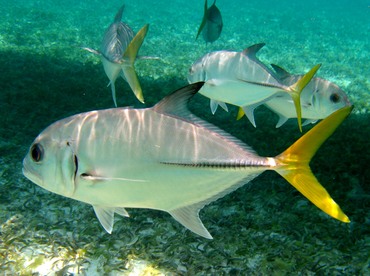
(334, 98)
(37, 152)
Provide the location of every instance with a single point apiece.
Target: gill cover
(68, 167)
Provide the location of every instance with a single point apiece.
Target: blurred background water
(266, 227)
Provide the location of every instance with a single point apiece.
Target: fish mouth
(30, 173)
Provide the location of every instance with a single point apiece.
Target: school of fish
(164, 157)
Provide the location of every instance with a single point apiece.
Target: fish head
(327, 97)
(51, 164)
(198, 71)
(201, 68)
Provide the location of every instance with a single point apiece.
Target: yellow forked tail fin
(296, 90)
(293, 164)
(130, 55)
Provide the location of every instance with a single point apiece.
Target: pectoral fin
(91, 50)
(189, 217)
(94, 179)
(129, 58)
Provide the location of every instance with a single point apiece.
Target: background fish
(118, 52)
(319, 98)
(239, 78)
(211, 25)
(163, 158)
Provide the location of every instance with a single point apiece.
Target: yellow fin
(129, 56)
(293, 164)
(296, 90)
(240, 113)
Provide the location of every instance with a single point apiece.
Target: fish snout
(30, 173)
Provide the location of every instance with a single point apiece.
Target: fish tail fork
(293, 164)
(130, 56)
(296, 90)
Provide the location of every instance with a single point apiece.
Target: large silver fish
(239, 78)
(163, 158)
(212, 24)
(118, 52)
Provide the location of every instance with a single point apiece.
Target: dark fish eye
(334, 98)
(37, 152)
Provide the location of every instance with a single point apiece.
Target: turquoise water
(265, 227)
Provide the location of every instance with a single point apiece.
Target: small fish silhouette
(211, 25)
(118, 53)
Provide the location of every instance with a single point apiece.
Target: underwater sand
(266, 227)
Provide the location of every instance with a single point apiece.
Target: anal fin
(189, 217)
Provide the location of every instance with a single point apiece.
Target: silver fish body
(241, 79)
(161, 158)
(230, 78)
(232, 65)
(133, 158)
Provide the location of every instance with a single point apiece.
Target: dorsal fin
(251, 51)
(118, 16)
(176, 102)
(175, 105)
(280, 72)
